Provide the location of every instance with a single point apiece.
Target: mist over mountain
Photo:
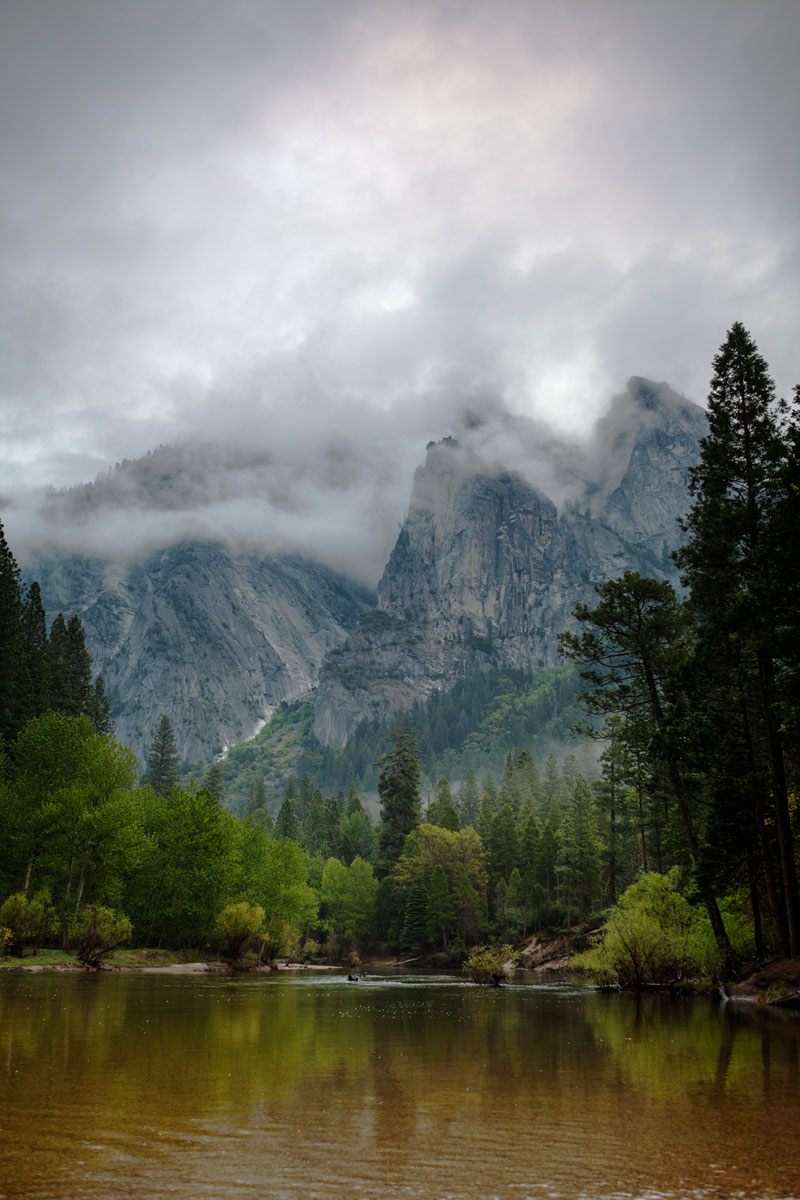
(333, 491)
(207, 582)
(487, 568)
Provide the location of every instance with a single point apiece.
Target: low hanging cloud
(294, 243)
(296, 488)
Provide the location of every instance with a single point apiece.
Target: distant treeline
(41, 671)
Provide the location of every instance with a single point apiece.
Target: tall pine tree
(162, 761)
(16, 702)
(398, 788)
(733, 566)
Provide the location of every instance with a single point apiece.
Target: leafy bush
(6, 941)
(654, 935)
(27, 921)
(97, 931)
(490, 964)
(238, 924)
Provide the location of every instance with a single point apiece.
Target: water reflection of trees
(392, 1068)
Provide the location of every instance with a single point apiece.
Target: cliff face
(212, 638)
(485, 573)
(487, 570)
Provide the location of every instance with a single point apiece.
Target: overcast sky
(318, 231)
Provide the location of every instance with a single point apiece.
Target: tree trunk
(776, 903)
(783, 826)
(755, 904)
(709, 899)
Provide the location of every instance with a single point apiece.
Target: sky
(311, 237)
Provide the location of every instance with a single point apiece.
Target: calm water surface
(192, 1087)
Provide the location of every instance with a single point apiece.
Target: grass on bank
(123, 958)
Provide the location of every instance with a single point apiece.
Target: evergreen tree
(529, 784)
(58, 669)
(552, 791)
(501, 845)
(485, 813)
(305, 799)
(734, 565)
(214, 782)
(257, 807)
(414, 931)
(442, 811)
(355, 837)
(468, 799)
(287, 824)
(70, 668)
(629, 657)
(528, 842)
(80, 669)
(440, 911)
(16, 701)
(579, 850)
(610, 790)
(398, 788)
(490, 788)
(100, 713)
(34, 635)
(162, 761)
(547, 855)
(514, 907)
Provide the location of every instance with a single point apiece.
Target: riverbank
(149, 962)
(775, 983)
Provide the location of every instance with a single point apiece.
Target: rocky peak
(487, 569)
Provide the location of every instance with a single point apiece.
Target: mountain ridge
(487, 569)
(484, 574)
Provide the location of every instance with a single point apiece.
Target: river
(141, 1086)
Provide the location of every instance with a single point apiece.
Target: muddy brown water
(193, 1087)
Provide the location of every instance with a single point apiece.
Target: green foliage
(40, 672)
(162, 772)
(98, 931)
(188, 866)
(654, 935)
(266, 761)
(214, 782)
(442, 810)
(580, 850)
(67, 812)
(490, 964)
(239, 924)
(287, 824)
(740, 565)
(440, 910)
(274, 873)
(398, 788)
(356, 834)
(414, 930)
(645, 938)
(348, 897)
(16, 704)
(26, 922)
(69, 668)
(460, 857)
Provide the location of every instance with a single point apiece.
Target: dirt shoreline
(200, 967)
(774, 984)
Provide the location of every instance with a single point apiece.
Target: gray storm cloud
(308, 237)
